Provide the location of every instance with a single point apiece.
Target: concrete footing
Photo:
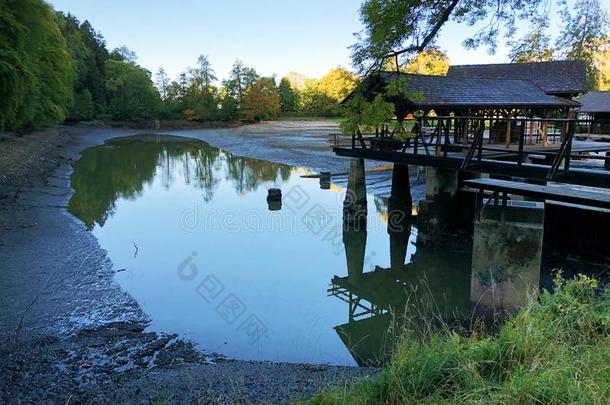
(445, 211)
(434, 211)
(325, 180)
(506, 255)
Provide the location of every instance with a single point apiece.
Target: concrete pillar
(506, 255)
(441, 183)
(436, 211)
(354, 205)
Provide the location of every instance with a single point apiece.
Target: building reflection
(432, 287)
(436, 286)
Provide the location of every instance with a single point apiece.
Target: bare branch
(420, 47)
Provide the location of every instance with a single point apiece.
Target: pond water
(207, 257)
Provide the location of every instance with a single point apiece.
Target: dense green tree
(172, 105)
(79, 53)
(83, 107)
(36, 74)
(132, 93)
(229, 105)
(535, 46)
(239, 81)
(95, 79)
(201, 103)
(261, 101)
(162, 82)
(289, 97)
(583, 35)
(403, 28)
(200, 96)
(202, 75)
(123, 54)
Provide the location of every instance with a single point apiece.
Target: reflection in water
(274, 264)
(123, 167)
(217, 263)
(433, 286)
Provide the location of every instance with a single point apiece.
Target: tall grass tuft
(555, 350)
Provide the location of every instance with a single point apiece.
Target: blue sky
(309, 37)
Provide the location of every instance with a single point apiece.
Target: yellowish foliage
(430, 62)
(602, 64)
(261, 102)
(337, 83)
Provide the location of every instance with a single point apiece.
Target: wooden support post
(508, 130)
(447, 141)
(521, 140)
(570, 129)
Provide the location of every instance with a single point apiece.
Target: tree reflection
(123, 167)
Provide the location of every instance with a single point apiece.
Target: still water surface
(207, 257)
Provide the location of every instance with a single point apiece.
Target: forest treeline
(54, 68)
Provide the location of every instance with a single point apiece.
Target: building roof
(595, 102)
(456, 92)
(559, 77)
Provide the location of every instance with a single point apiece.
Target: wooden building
(565, 79)
(503, 93)
(596, 105)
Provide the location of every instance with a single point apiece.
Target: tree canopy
(132, 93)
(35, 68)
(261, 101)
(401, 29)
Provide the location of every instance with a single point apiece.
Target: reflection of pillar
(400, 203)
(354, 205)
(325, 180)
(354, 241)
(507, 249)
(399, 242)
(607, 161)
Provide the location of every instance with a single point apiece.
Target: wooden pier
(474, 153)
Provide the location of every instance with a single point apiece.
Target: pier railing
(539, 148)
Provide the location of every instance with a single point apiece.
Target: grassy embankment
(554, 350)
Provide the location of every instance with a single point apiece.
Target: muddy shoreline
(70, 334)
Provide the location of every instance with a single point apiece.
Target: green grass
(554, 350)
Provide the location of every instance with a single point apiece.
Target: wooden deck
(554, 192)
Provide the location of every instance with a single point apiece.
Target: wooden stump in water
(274, 194)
